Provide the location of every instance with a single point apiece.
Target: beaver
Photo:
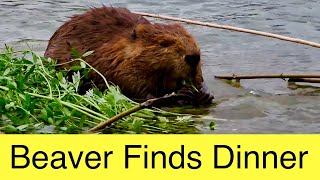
(144, 59)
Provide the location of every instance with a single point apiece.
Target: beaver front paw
(187, 95)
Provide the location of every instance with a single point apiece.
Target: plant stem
(49, 85)
(102, 76)
(82, 109)
(146, 104)
(4, 88)
(89, 102)
(89, 110)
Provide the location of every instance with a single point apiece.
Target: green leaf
(137, 126)
(22, 127)
(49, 112)
(75, 53)
(143, 115)
(4, 88)
(82, 64)
(60, 76)
(63, 128)
(73, 130)
(29, 72)
(82, 120)
(55, 81)
(76, 68)
(212, 126)
(50, 120)
(6, 72)
(57, 102)
(58, 122)
(85, 73)
(10, 105)
(2, 103)
(12, 85)
(35, 57)
(44, 114)
(163, 119)
(66, 111)
(27, 101)
(87, 53)
(9, 129)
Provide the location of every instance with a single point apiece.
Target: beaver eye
(193, 60)
(166, 43)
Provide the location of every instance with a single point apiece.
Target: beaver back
(143, 59)
(90, 30)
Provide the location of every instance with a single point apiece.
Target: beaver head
(170, 52)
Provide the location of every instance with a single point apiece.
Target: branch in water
(232, 28)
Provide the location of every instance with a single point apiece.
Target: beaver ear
(134, 34)
(142, 30)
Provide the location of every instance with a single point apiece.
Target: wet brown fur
(145, 60)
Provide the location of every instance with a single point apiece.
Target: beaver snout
(193, 59)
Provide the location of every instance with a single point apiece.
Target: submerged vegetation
(36, 97)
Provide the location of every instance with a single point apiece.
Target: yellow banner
(159, 157)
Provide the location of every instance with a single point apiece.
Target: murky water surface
(259, 106)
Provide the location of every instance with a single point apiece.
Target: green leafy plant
(37, 97)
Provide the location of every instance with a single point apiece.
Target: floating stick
(267, 76)
(232, 28)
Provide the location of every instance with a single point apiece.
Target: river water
(258, 106)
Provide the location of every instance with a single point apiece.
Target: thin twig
(232, 28)
(116, 118)
(151, 102)
(266, 76)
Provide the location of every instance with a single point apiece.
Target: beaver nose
(193, 60)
